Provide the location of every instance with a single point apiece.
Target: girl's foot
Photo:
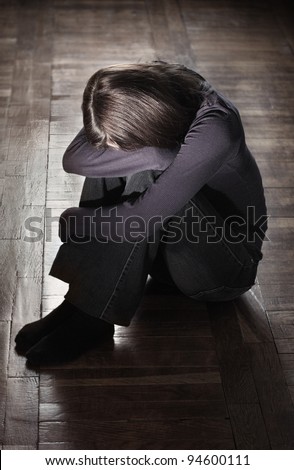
(71, 338)
(33, 332)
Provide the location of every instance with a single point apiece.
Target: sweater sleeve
(84, 159)
(213, 138)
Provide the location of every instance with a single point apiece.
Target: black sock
(31, 333)
(79, 333)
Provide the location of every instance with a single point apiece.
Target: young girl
(171, 190)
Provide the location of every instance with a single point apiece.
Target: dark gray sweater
(214, 158)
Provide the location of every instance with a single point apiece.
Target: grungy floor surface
(184, 375)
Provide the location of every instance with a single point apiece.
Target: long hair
(137, 105)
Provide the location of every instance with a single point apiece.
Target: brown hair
(137, 105)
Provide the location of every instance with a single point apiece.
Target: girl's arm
(212, 140)
(84, 159)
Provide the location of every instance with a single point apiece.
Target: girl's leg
(106, 283)
(106, 280)
(109, 280)
(206, 260)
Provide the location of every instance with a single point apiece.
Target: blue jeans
(107, 280)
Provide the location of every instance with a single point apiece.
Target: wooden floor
(184, 375)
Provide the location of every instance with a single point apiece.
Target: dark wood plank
(39, 109)
(27, 138)
(287, 363)
(276, 267)
(28, 300)
(280, 201)
(122, 357)
(136, 376)
(278, 296)
(8, 262)
(15, 168)
(108, 411)
(284, 12)
(285, 346)
(282, 324)
(292, 393)
(249, 427)
(280, 230)
(76, 393)
(254, 125)
(2, 182)
(201, 433)
(30, 259)
(170, 344)
(183, 53)
(236, 375)
(160, 34)
(21, 427)
(273, 272)
(270, 149)
(252, 317)
(275, 400)
(289, 375)
(4, 351)
(12, 201)
(277, 174)
(166, 328)
(167, 308)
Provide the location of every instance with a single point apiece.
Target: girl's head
(137, 105)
